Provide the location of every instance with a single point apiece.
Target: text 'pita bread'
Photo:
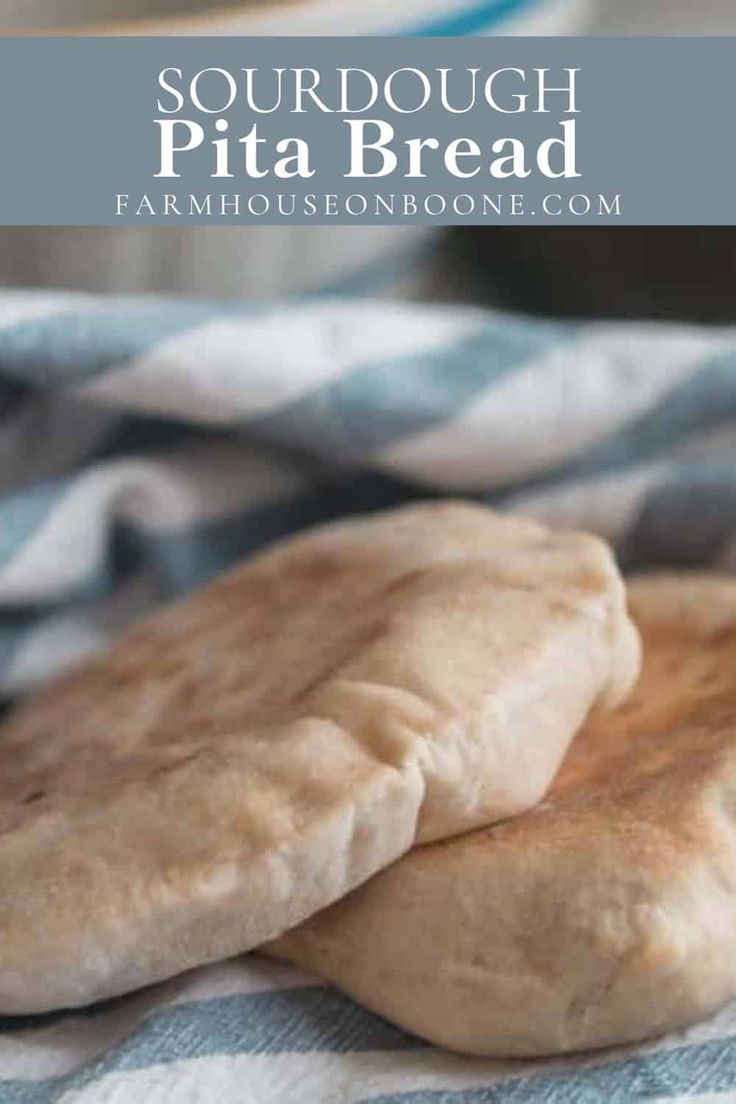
(606, 915)
(248, 757)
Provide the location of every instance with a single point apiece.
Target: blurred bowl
(255, 261)
(295, 17)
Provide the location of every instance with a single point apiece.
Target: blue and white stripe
(256, 1033)
(145, 445)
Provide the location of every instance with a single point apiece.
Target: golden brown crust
(604, 915)
(249, 756)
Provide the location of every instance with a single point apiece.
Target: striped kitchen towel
(145, 445)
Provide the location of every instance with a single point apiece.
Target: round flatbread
(248, 757)
(605, 915)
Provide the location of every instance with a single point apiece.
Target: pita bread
(606, 915)
(251, 755)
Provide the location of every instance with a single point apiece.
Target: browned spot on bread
(246, 757)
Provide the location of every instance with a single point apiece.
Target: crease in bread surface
(246, 758)
(604, 915)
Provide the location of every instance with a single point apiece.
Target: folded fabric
(145, 445)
